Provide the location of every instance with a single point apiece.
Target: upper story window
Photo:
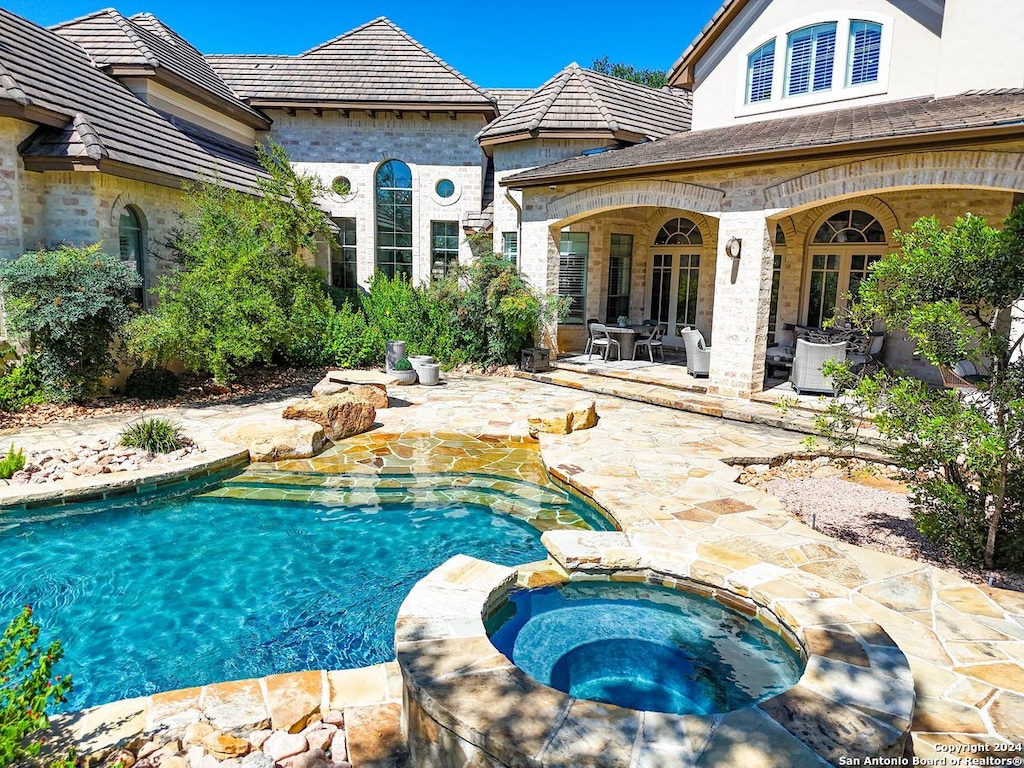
(760, 67)
(865, 52)
(810, 58)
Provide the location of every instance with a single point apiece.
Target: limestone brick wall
(434, 149)
(13, 189)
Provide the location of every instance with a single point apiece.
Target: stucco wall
(981, 46)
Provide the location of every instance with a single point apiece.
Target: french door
(675, 277)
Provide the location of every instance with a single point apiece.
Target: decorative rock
(326, 387)
(334, 717)
(224, 745)
(196, 732)
(339, 417)
(270, 438)
(281, 745)
(320, 738)
(356, 393)
(258, 738)
(258, 760)
(561, 418)
(369, 378)
(315, 758)
(120, 757)
(174, 762)
(339, 747)
(148, 749)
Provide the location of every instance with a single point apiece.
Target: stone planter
(429, 374)
(393, 352)
(418, 362)
(404, 377)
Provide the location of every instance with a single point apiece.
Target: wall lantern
(733, 247)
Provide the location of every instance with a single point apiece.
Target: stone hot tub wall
(465, 704)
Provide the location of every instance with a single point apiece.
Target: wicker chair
(807, 364)
(698, 356)
(965, 375)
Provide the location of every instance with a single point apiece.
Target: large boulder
(337, 414)
(369, 378)
(357, 393)
(562, 417)
(270, 438)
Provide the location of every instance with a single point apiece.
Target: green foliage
(153, 435)
(242, 294)
(151, 382)
(951, 290)
(20, 386)
(13, 462)
(403, 365)
(27, 689)
(652, 78)
(68, 305)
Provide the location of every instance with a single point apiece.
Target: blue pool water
(173, 591)
(643, 647)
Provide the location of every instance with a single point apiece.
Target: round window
(341, 186)
(445, 188)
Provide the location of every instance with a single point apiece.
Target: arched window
(839, 257)
(132, 245)
(679, 232)
(393, 185)
(760, 68)
(865, 52)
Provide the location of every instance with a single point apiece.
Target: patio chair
(603, 340)
(807, 364)
(652, 342)
(590, 335)
(698, 355)
(865, 350)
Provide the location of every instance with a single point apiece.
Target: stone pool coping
(855, 698)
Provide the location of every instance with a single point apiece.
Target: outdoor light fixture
(733, 247)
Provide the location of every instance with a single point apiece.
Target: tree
(242, 293)
(652, 78)
(953, 291)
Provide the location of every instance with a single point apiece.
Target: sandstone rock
(174, 762)
(269, 438)
(224, 745)
(119, 757)
(195, 733)
(165, 753)
(369, 378)
(334, 717)
(320, 738)
(339, 747)
(326, 387)
(563, 417)
(258, 738)
(315, 758)
(339, 417)
(281, 745)
(148, 749)
(258, 760)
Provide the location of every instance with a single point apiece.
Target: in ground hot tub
(643, 647)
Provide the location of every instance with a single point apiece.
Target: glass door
(674, 283)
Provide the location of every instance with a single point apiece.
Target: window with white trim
(574, 252)
(510, 247)
(841, 254)
(810, 57)
(760, 66)
(865, 52)
(343, 255)
(444, 247)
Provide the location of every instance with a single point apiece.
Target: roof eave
(33, 113)
(115, 168)
(485, 108)
(681, 74)
(999, 133)
(556, 133)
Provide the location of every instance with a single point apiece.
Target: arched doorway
(675, 277)
(839, 254)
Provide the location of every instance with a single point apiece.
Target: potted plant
(404, 372)
(623, 321)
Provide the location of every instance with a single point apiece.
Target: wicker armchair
(698, 356)
(807, 364)
(965, 375)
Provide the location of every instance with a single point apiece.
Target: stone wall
(12, 211)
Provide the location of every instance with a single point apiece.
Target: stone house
(800, 139)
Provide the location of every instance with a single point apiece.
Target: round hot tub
(643, 647)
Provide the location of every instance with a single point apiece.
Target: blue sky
(494, 44)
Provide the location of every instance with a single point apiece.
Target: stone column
(538, 262)
(743, 289)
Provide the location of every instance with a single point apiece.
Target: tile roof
(706, 34)
(508, 99)
(578, 99)
(94, 119)
(923, 116)
(114, 41)
(376, 63)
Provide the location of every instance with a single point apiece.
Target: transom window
(810, 57)
(865, 52)
(574, 253)
(760, 67)
(679, 232)
(851, 226)
(839, 258)
(393, 183)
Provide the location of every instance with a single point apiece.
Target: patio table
(782, 358)
(627, 337)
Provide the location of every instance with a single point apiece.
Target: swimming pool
(261, 574)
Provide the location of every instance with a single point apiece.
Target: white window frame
(749, 83)
(814, 33)
(840, 91)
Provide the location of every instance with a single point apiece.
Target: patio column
(538, 263)
(743, 287)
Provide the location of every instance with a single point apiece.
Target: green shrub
(20, 386)
(153, 435)
(68, 305)
(403, 364)
(13, 462)
(350, 342)
(152, 382)
(27, 690)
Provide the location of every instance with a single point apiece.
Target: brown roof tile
(579, 99)
(922, 116)
(376, 63)
(508, 99)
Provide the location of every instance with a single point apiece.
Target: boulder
(369, 378)
(339, 416)
(357, 393)
(563, 417)
(270, 438)
(196, 732)
(282, 744)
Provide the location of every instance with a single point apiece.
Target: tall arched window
(132, 244)
(840, 254)
(675, 277)
(393, 184)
